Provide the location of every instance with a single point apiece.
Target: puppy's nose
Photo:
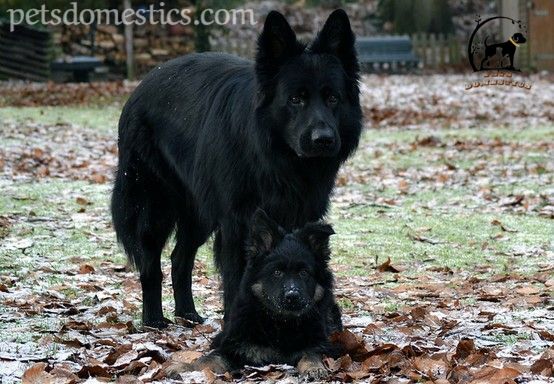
(292, 296)
(323, 137)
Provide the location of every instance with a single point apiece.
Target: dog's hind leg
(143, 221)
(151, 281)
(190, 236)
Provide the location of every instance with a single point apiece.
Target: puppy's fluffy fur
(284, 311)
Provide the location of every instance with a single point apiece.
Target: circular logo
(494, 43)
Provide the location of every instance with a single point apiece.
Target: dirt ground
(444, 253)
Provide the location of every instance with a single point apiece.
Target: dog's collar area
(513, 42)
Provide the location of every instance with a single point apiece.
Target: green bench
(386, 54)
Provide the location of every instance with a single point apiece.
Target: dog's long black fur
(207, 138)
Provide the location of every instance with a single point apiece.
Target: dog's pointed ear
(276, 44)
(277, 37)
(337, 39)
(316, 237)
(264, 234)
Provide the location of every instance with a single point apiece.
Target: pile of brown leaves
(57, 151)
(442, 100)
(23, 94)
(466, 364)
(433, 337)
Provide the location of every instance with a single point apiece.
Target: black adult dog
(507, 48)
(282, 309)
(207, 138)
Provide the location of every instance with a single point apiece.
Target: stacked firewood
(152, 43)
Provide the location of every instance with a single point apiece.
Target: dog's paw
(189, 317)
(150, 325)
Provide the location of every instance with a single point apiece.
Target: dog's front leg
(229, 256)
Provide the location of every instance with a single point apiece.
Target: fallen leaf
(86, 269)
(37, 374)
(415, 236)
(502, 226)
(464, 349)
(545, 335)
(82, 201)
(544, 367)
(492, 375)
(528, 290)
(63, 376)
(388, 267)
(186, 357)
(350, 344)
(403, 186)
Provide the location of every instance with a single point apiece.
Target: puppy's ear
(276, 44)
(264, 234)
(316, 236)
(337, 39)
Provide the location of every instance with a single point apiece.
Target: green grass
(50, 217)
(529, 135)
(345, 303)
(395, 151)
(103, 118)
(452, 216)
(464, 239)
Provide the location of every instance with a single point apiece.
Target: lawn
(444, 252)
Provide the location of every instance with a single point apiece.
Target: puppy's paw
(214, 362)
(175, 368)
(312, 368)
(315, 373)
(181, 361)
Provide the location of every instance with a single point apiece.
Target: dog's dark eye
(303, 273)
(277, 273)
(296, 100)
(332, 99)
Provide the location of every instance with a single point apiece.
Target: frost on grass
(443, 253)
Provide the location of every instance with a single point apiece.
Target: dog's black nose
(292, 296)
(323, 137)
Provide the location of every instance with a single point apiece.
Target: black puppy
(507, 48)
(281, 312)
(207, 138)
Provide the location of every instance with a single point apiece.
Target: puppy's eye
(296, 100)
(277, 273)
(332, 99)
(303, 273)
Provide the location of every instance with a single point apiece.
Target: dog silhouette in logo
(507, 48)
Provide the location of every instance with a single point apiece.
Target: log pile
(153, 44)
